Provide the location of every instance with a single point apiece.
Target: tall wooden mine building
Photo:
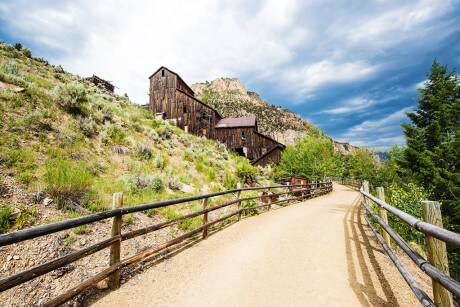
(171, 98)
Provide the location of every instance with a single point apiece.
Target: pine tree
(433, 140)
(433, 147)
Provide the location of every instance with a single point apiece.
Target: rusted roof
(233, 122)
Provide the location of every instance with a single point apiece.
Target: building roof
(233, 122)
(174, 73)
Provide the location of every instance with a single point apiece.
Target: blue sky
(350, 67)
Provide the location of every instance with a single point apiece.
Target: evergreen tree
(433, 140)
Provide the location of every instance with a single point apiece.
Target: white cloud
(379, 132)
(352, 105)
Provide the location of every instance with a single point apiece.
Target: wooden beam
(383, 215)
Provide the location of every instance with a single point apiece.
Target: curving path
(314, 253)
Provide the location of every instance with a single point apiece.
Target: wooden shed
(109, 87)
(171, 98)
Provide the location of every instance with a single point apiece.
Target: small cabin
(299, 184)
(104, 84)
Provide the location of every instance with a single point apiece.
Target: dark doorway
(239, 151)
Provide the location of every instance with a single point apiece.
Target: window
(243, 136)
(162, 72)
(184, 109)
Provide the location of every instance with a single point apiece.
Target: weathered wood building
(101, 83)
(171, 98)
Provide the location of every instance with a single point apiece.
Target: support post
(269, 200)
(366, 186)
(238, 194)
(205, 216)
(114, 278)
(383, 215)
(437, 252)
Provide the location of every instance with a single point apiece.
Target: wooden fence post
(205, 215)
(238, 194)
(114, 278)
(366, 186)
(383, 215)
(437, 252)
(269, 200)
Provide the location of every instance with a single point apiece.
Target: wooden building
(171, 98)
(101, 83)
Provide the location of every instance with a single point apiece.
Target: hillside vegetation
(68, 144)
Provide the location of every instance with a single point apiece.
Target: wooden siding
(274, 157)
(256, 144)
(170, 95)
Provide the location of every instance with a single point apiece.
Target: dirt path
(309, 254)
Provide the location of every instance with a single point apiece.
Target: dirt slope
(316, 253)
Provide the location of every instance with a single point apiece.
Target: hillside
(69, 144)
(231, 98)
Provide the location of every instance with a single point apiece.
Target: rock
(37, 197)
(47, 201)
(16, 257)
(187, 188)
(9, 258)
(82, 242)
(102, 285)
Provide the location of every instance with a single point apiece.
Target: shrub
(66, 180)
(5, 218)
(164, 131)
(21, 158)
(128, 219)
(82, 229)
(27, 52)
(174, 183)
(38, 120)
(26, 217)
(246, 172)
(114, 134)
(156, 184)
(10, 68)
(250, 204)
(87, 126)
(18, 46)
(144, 151)
(25, 177)
(229, 181)
(406, 198)
(72, 96)
(161, 161)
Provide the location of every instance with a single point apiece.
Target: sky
(350, 67)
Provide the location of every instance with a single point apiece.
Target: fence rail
(268, 197)
(443, 285)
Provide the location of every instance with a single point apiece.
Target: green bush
(114, 134)
(66, 180)
(26, 217)
(156, 184)
(25, 177)
(406, 198)
(144, 151)
(87, 126)
(250, 204)
(246, 172)
(5, 218)
(10, 67)
(38, 120)
(128, 219)
(229, 181)
(72, 96)
(21, 158)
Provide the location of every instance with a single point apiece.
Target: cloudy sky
(350, 67)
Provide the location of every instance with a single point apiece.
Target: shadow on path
(364, 272)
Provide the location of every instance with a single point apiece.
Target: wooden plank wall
(273, 157)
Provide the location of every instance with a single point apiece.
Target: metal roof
(233, 122)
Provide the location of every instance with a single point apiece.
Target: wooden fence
(436, 237)
(270, 196)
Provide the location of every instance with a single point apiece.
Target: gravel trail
(315, 253)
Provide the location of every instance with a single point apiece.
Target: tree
(313, 157)
(432, 155)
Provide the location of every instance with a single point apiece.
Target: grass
(5, 218)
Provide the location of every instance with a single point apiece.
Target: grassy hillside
(64, 139)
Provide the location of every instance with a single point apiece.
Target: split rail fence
(436, 238)
(269, 196)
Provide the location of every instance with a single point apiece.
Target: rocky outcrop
(232, 99)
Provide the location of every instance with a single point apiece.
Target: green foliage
(72, 96)
(82, 229)
(229, 181)
(251, 211)
(21, 158)
(66, 180)
(87, 126)
(246, 172)
(128, 219)
(360, 165)
(26, 217)
(25, 177)
(5, 218)
(311, 157)
(406, 198)
(114, 134)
